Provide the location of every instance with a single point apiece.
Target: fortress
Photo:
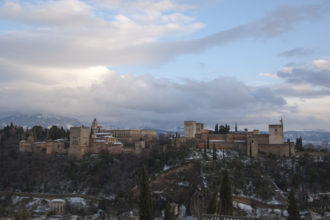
(85, 140)
(95, 139)
(251, 142)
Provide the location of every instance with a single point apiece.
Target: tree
(169, 215)
(56, 133)
(216, 129)
(292, 208)
(224, 129)
(145, 197)
(38, 133)
(212, 207)
(23, 214)
(214, 152)
(299, 145)
(226, 204)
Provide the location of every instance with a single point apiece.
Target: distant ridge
(29, 121)
(315, 137)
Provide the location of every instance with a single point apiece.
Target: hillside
(186, 176)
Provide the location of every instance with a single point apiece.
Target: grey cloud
(288, 91)
(267, 95)
(298, 75)
(296, 52)
(133, 100)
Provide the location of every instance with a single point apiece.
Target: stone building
(59, 146)
(79, 141)
(131, 136)
(251, 142)
(191, 128)
(95, 140)
(57, 206)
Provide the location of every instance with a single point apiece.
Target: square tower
(276, 134)
(189, 129)
(79, 141)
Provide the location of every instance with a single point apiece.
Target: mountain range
(40, 119)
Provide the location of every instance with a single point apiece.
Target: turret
(94, 124)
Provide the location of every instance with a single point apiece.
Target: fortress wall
(232, 145)
(25, 146)
(57, 147)
(262, 138)
(98, 147)
(39, 147)
(278, 149)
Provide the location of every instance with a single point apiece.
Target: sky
(156, 63)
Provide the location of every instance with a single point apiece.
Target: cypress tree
(169, 215)
(212, 207)
(292, 208)
(214, 152)
(205, 155)
(226, 206)
(145, 197)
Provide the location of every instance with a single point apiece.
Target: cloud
(58, 59)
(131, 100)
(296, 52)
(269, 75)
(322, 64)
(145, 6)
(318, 74)
(125, 39)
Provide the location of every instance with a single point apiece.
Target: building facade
(251, 142)
(92, 139)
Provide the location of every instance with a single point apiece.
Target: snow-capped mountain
(315, 137)
(40, 119)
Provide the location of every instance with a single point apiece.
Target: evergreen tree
(212, 207)
(56, 133)
(299, 145)
(38, 133)
(216, 129)
(169, 215)
(214, 152)
(227, 129)
(145, 197)
(292, 208)
(205, 155)
(224, 129)
(226, 204)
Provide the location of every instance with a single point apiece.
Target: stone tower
(95, 124)
(252, 147)
(189, 129)
(95, 128)
(276, 133)
(79, 141)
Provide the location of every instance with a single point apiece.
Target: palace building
(84, 140)
(251, 142)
